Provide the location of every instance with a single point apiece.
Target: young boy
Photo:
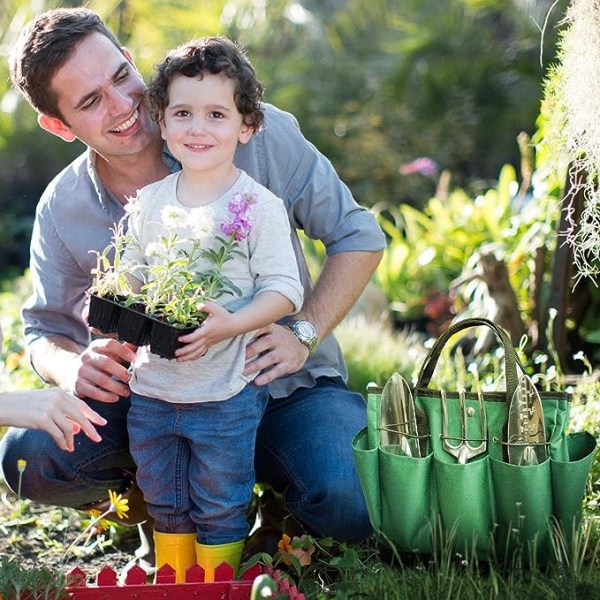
(192, 425)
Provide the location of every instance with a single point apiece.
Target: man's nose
(120, 101)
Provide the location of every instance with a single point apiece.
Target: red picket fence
(136, 587)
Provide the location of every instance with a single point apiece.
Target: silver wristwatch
(306, 332)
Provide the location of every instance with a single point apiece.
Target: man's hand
(100, 371)
(277, 349)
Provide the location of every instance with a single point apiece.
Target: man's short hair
(44, 46)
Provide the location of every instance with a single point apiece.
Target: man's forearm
(341, 282)
(52, 358)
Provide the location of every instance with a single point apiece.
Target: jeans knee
(337, 509)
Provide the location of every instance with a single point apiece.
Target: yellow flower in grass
(101, 525)
(98, 524)
(118, 504)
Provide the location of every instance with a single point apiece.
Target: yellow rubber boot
(177, 549)
(210, 557)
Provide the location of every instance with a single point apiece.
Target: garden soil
(40, 536)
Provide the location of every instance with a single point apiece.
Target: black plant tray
(134, 325)
(164, 338)
(104, 313)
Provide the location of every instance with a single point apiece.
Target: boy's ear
(56, 127)
(161, 123)
(246, 132)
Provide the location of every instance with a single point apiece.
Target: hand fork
(465, 449)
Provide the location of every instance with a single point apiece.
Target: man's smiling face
(101, 97)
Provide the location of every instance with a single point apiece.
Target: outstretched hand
(275, 351)
(56, 412)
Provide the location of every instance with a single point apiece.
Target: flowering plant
(174, 286)
(110, 273)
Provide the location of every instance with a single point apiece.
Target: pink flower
(423, 165)
(284, 584)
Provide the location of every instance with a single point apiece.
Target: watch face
(305, 330)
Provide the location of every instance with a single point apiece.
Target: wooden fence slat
(224, 572)
(165, 574)
(106, 576)
(195, 574)
(135, 576)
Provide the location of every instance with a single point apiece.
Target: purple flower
(239, 223)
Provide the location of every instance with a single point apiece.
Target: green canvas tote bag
(490, 474)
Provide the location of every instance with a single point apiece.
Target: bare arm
(52, 410)
(97, 372)
(342, 280)
(265, 308)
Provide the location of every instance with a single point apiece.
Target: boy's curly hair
(216, 55)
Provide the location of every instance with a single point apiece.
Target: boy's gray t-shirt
(267, 265)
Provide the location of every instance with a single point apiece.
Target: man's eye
(90, 103)
(122, 76)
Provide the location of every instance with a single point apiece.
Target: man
(84, 86)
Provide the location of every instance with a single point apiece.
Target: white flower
(132, 207)
(154, 250)
(199, 222)
(173, 217)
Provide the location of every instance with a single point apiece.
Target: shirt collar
(104, 195)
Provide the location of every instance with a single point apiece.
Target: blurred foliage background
(374, 84)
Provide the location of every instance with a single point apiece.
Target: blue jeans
(196, 462)
(303, 447)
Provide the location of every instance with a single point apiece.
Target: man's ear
(129, 57)
(56, 127)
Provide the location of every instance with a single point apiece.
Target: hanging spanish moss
(572, 104)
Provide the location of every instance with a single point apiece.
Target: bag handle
(511, 360)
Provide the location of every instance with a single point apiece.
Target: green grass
(374, 569)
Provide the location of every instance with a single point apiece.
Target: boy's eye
(215, 114)
(182, 113)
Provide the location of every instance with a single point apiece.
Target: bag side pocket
(465, 501)
(570, 478)
(367, 466)
(523, 508)
(406, 500)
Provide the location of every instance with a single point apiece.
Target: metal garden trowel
(398, 424)
(526, 434)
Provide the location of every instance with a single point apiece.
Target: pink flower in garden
(239, 224)
(285, 585)
(423, 165)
